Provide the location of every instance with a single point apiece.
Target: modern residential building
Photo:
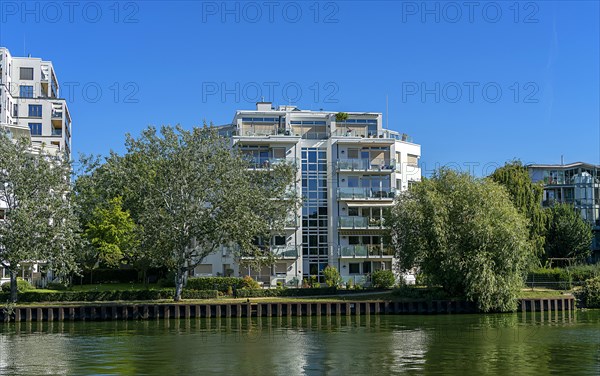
(350, 169)
(577, 184)
(31, 107)
(30, 102)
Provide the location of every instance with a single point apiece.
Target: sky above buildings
(475, 83)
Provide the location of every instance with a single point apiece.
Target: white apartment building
(30, 103)
(349, 170)
(577, 184)
(31, 107)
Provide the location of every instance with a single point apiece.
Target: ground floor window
(354, 268)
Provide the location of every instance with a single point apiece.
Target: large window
(26, 91)
(35, 110)
(354, 268)
(35, 129)
(26, 74)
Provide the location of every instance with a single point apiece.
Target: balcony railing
(375, 250)
(360, 222)
(280, 251)
(366, 193)
(269, 162)
(56, 132)
(285, 251)
(366, 164)
(57, 114)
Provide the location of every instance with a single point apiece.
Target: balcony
(366, 165)
(384, 194)
(366, 251)
(56, 132)
(360, 222)
(285, 251)
(269, 162)
(278, 251)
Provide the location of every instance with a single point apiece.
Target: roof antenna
(562, 159)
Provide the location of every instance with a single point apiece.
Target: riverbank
(260, 308)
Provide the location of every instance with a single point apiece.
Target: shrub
(555, 278)
(383, 279)
(590, 293)
(221, 284)
(22, 286)
(581, 273)
(249, 284)
(114, 295)
(332, 277)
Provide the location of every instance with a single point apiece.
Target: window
(15, 110)
(35, 129)
(204, 269)
(26, 74)
(412, 160)
(35, 110)
(26, 91)
(354, 268)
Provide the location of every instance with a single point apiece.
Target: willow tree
(526, 196)
(39, 224)
(194, 193)
(465, 235)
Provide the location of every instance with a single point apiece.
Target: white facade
(30, 102)
(31, 107)
(348, 172)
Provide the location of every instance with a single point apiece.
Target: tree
(527, 198)
(332, 276)
(112, 233)
(193, 193)
(39, 222)
(465, 235)
(383, 279)
(568, 235)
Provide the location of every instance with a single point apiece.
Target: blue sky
(474, 85)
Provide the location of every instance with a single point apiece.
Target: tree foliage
(465, 235)
(39, 222)
(526, 196)
(112, 233)
(189, 193)
(568, 235)
(332, 276)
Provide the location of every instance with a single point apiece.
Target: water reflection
(447, 344)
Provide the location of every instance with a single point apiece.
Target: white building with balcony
(577, 184)
(30, 102)
(349, 170)
(31, 107)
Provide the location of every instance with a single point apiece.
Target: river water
(503, 344)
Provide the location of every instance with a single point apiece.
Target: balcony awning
(368, 204)
(361, 231)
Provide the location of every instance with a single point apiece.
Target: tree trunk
(13, 285)
(179, 280)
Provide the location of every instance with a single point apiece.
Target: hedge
(221, 284)
(562, 278)
(114, 295)
(589, 295)
(269, 293)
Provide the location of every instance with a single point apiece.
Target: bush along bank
(33, 296)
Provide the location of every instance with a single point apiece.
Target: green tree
(383, 279)
(465, 235)
(568, 235)
(39, 222)
(193, 193)
(526, 196)
(332, 276)
(112, 233)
